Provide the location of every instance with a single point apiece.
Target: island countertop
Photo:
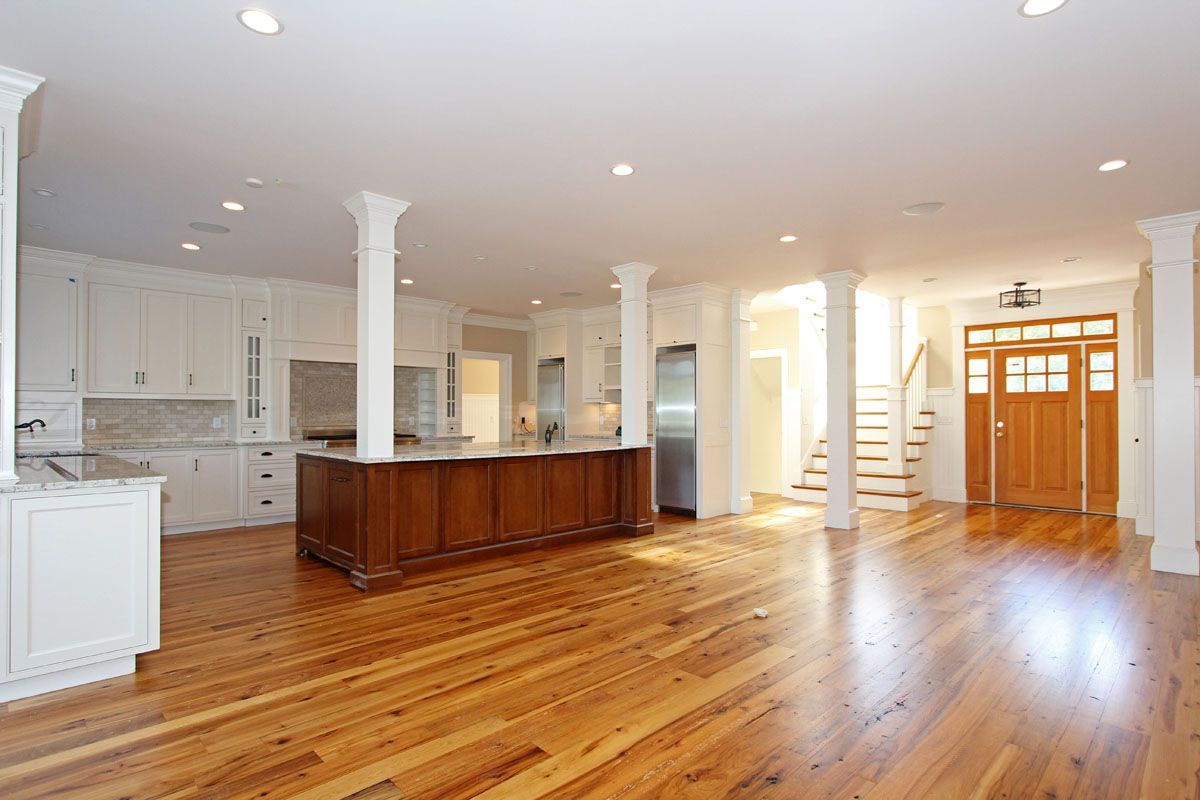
(455, 451)
(48, 473)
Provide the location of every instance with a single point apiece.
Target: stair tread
(860, 441)
(922, 427)
(870, 458)
(866, 474)
(876, 492)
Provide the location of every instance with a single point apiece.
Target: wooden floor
(953, 652)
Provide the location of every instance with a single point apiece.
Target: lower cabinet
(177, 492)
(203, 484)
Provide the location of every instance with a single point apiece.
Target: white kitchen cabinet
(177, 492)
(114, 338)
(674, 325)
(593, 374)
(216, 488)
(47, 310)
(254, 362)
(164, 343)
(210, 340)
(254, 314)
(593, 334)
(551, 341)
(612, 332)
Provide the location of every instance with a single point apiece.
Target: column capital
(15, 86)
(849, 278)
(370, 205)
(634, 272)
(1175, 226)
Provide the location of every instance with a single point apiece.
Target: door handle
(195, 465)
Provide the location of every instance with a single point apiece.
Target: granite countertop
(35, 473)
(458, 451)
(111, 448)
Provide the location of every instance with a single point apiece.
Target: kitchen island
(434, 505)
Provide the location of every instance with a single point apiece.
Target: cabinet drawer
(268, 476)
(272, 454)
(267, 502)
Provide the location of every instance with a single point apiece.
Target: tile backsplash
(324, 394)
(134, 421)
(610, 418)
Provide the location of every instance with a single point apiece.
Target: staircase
(901, 490)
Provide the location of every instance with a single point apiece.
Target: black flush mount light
(1020, 297)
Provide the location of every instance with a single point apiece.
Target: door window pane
(977, 385)
(1057, 383)
(979, 337)
(1097, 327)
(1015, 383)
(1014, 365)
(977, 366)
(1064, 329)
(1057, 364)
(1101, 361)
(1037, 331)
(1008, 334)
(1102, 381)
(1036, 364)
(1035, 383)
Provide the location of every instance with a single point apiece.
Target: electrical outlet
(216, 422)
(91, 423)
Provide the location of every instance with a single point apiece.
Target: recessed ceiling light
(621, 170)
(45, 193)
(614, 286)
(928, 280)
(190, 246)
(570, 294)
(36, 227)
(923, 209)
(421, 245)
(481, 258)
(531, 269)
(1110, 166)
(536, 302)
(788, 238)
(1070, 259)
(260, 21)
(254, 183)
(233, 205)
(208, 227)
(406, 281)
(1037, 8)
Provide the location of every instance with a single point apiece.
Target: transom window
(1101, 326)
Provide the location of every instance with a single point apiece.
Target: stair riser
(863, 501)
(819, 462)
(874, 449)
(886, 484)
(871, 405)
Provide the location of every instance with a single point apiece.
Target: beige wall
(1143, 323)
(779, 330)
(480, 376)
(500, 340)
(933, 323)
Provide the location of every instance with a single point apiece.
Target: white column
(739, 490)
(376, 217)
(841, 509)
(897, 414)
(14, 88)
(635, 371)
(1173, 262)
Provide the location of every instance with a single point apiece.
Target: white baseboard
(1145, 525)
(66, 678)
(949, 495)
(1127, 509)
(1180, 560)
(743, 505)
(237, 522)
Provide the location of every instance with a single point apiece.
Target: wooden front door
(1037, 426)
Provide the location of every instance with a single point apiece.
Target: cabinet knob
(267, 475)
(266, 502)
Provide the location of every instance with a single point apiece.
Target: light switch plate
(216, 422)
(91, 423)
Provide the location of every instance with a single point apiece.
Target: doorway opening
(487, 396)
(768, 381)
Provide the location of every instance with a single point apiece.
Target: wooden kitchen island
(429, 506)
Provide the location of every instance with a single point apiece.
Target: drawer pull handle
(266, 453)
(341, 480)
(266, 502)
(267, 475)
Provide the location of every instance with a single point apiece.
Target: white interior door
(114, 338)
(766, 425)
(46, 314)
(215, 490)
(210, 345)
(164, 342)
(177, 465)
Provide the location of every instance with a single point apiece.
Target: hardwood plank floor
(955, 651)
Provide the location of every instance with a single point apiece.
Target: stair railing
(916, 385)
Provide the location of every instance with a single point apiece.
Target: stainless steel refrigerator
(551, 398)
(675, 428)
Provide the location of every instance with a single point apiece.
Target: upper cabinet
(552, 341)
(142, 341)
(47, 333)
(674, 325)
(254, 314)
(602, 333)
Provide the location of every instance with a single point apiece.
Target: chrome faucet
(29, 425)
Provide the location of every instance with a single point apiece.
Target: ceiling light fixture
(536, 302)
(923, 209)
(787, 239)
(254, 183)
(45, 193)
(1039, 8)
(531, 269)
(614, 286)
(260, 21)
(421, 245)
(233, 205)
(928, 280)
(1020, 297)
(621, 170)
(190, 246)
(1114, 165)
(481, 258)
(406, 281)
(1070, 259)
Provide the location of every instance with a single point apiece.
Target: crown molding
(492, 321)
(371, 204)
(1170, 227)
(690, 292)
(15, 86)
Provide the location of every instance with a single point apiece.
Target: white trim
(16, 86)
(492, 321)
(789, 433)
(506, 403)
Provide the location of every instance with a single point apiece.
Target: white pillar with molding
(841, 508)
(376, 217)
(742, 503)
(1173, 262)
(897, 414)
(635, 369)
(15, 86)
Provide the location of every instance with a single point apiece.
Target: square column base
(844, 520)
(1180, 560)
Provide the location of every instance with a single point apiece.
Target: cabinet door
(467, 512)
(593, 334)
(215, 486)
(164, 342)
(675, 325)
(593, 374)
(612, 332)
(177, 491)
(84, 589)
(114, 339)
(210, 345)
(133, 456)
(552, 341)
(253, 380)
(342, 515)
(46, 332)
(254, 314)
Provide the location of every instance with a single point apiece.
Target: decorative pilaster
(740, 403)
(841, 509)
(1173, 262)
(897, 414)
(15, 86)
(635, 371)
(376, 217)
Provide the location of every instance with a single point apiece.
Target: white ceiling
(498, 120)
